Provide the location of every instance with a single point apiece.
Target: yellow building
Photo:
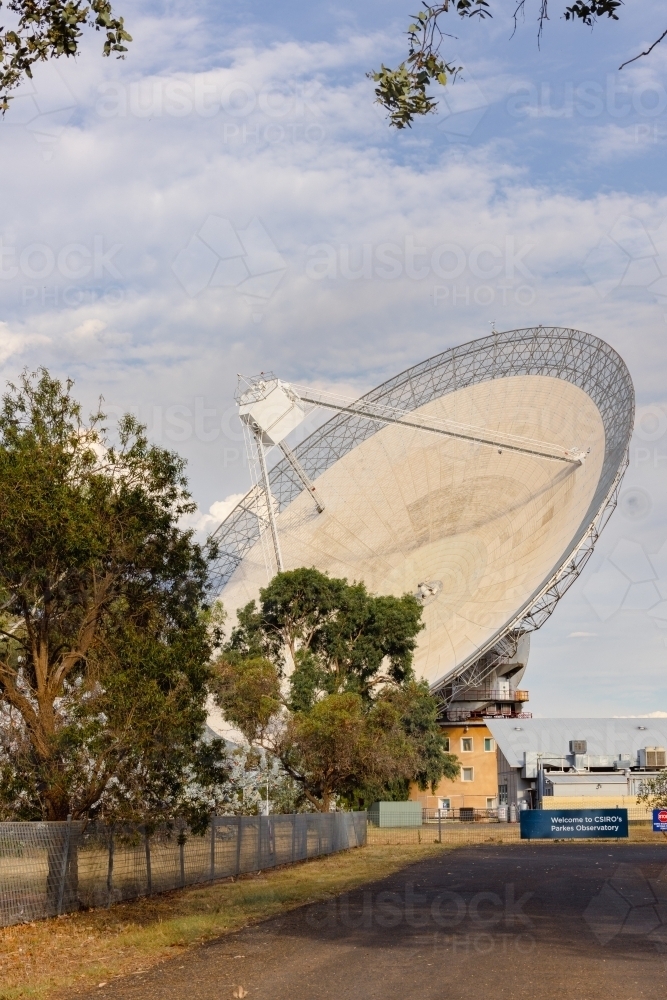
(477, 784)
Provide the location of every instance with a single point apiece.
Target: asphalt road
(542, 921)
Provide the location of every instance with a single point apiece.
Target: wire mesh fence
(52, 868)
(456, 828)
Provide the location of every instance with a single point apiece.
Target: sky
(229, 199)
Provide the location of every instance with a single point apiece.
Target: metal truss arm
(269, 499)
(392, 415)
(294, 462)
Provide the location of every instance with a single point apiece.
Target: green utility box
(395, 814)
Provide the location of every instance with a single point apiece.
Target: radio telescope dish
(478, 480)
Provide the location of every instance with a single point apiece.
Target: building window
(467, 774)
(502, 795)
(490, 803)
(489, 744)
(466, 744)
(446, 739)
(444, 804)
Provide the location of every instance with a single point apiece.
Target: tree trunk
(56, 807)
(62, 880)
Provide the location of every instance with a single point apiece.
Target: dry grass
(453, 834)
(54, 958)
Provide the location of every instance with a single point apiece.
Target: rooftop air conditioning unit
(653, 757)
(578, 746)
(624, 762)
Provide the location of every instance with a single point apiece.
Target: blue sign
(573, 824)
(660, 820)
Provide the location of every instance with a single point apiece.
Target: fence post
(239, 835)
(439, 826)
(147, 849)
(110, 868)
(63, 871)
(212, 847)
(271, 823)
(294, 836)
(181, 855)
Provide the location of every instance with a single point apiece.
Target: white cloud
(645, 715)
(148, 185)
(13, 344)
(88, 329)
(222, 508)
(205, 524)
(344, 190)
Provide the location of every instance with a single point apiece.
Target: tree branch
(646, 52)
(85, 638)
(23, 706)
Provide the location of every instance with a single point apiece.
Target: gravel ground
(552, 920)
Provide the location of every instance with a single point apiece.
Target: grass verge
(76, 952)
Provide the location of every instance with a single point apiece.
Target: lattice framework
(568, 354)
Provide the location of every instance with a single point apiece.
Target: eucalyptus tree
(105, 636)
(319, 675)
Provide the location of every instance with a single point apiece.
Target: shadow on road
(551, 920)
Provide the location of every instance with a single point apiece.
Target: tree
(654, 792)
(48, 29)
(105, 639)
(403, 92)
(334, 636)
(320, 675)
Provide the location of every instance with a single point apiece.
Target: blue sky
(229, 199)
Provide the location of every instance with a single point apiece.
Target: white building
(566, 762)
